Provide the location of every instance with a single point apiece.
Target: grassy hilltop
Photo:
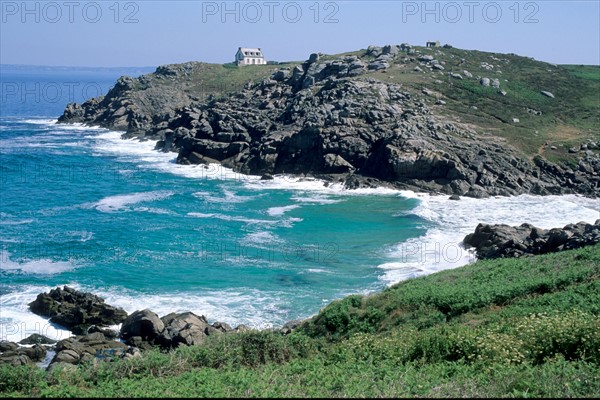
(524, 327)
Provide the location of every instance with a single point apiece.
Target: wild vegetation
(526, 327)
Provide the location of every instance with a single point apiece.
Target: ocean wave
(260, 238)
(17, 322)
(316, 199)
(120, 202)
(228, 197)
(441, 246)
(252, 307)
(279, 211)
(39, 267)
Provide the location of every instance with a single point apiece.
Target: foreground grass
(504, 328)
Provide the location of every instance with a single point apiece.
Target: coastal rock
(498, 241)
(37, 339)
(222, 327)
(145, 324)
(77, 349)
(183, 329)
(76, 310)
(15, 355)
(290, 326)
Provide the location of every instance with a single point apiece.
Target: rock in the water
(37, 339)
(76, 310)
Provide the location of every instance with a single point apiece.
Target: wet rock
(37, 339)
(76, 310)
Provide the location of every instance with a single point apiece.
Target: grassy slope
(569, 119)
(521, 327)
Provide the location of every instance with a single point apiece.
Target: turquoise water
(75, 212)
(80, 206)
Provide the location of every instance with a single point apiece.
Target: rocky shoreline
(89, 318)
(328, 118)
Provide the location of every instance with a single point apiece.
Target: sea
(79, 206)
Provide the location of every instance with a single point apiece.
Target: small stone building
(249, 56)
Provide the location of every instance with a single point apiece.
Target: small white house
(249, 56)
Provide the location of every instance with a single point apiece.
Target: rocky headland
(338, 119)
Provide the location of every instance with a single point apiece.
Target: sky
(151, 33)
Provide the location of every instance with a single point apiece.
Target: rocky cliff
(333, 118)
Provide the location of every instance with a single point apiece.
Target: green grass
(501, 328)
(570, 118)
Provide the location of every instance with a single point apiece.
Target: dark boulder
(76, 310)
(144, 324)
(37, 339)
(78, 349)
(496, 241)
(183, 329)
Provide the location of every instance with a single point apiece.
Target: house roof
(252, 49)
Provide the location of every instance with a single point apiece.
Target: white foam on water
(260, 238)
(120, 202)
(44, 121)
(441, 246)
(316, 199)
(134, 150)
(82, 236)
(41, 266)
(16, 222)
(316, 271)
(287, 223)
(228, 197)
(247, 306)
(279, 211)
(17, 322)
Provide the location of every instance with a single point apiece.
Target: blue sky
(150, 33)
